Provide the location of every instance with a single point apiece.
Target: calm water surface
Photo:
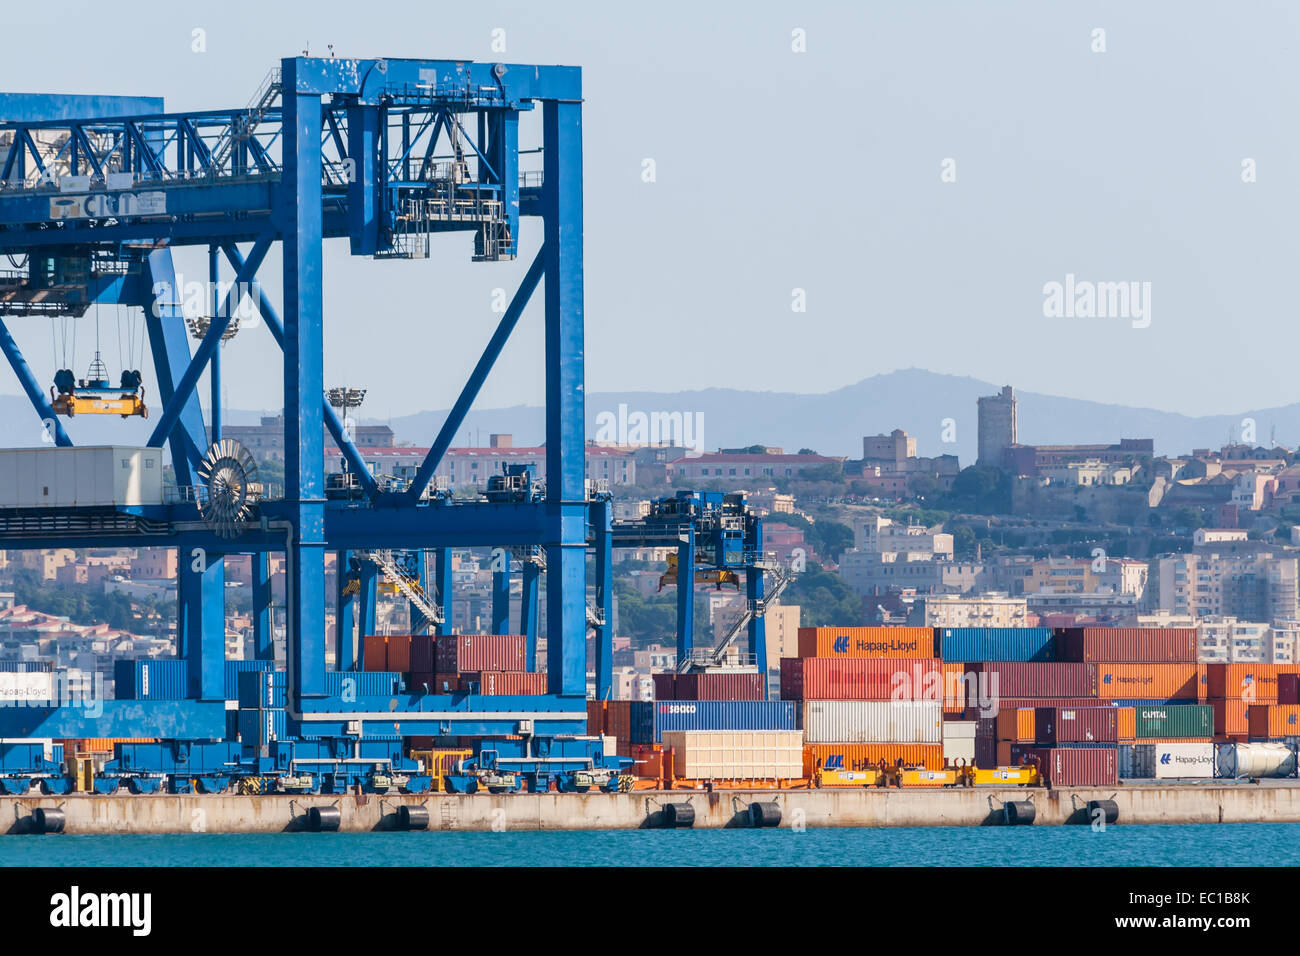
(1221, 845)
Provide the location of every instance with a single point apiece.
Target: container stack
(867, 697)
(492, 664)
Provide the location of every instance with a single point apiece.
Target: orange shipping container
(374, 652)
(864, 756)
(102, 745)
(1127, 717)
(1270, 721)
(1016, 724)
(1231, 718)
(954, 691)
(866, 642)
(1151, 681)
(1256, 683)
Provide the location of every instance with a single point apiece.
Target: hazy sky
(818, 170)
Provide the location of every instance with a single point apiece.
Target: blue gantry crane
(387, 154)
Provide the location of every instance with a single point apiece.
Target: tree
(825, 599)
(982, 490)
(1188, 517)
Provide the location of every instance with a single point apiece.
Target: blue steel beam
(528, 612)
(345, 638)
(263, 632)
(368, 597)
(566, 495)
(604, 542)
(501, 592)
(169, 341)
(490, 354)
(686, 594)
(169, 719)
(49, 421)
(442, 583)
(214, 365)
(203, 603)
(756, 590)
(211, 341)
(300, 226)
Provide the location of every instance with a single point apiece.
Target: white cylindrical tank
(1254, 760)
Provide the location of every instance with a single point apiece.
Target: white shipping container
(735, 754)
(959, 748)
(959, 729)
(98, 476)
(873, 721)
(26, 686)
(1184, 760)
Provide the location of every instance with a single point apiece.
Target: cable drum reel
(229, 472)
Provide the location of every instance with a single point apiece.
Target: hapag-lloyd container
(1147, 645)
(1150, 681)
(1172, 760)
(1256, 683)
(740, 685)
(650, 719)
(1078, 766)
(860, 678)
(1174, 721)
(1270, 721)
(853, 642)
(481, 652)
(871, 721)
(1126, 719)
(1037, 680)
(864, 756)
(996, 643)
(1072, 725)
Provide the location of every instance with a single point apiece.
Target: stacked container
(868, 696)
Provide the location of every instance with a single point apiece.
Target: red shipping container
(399, 653)
(1077, 766)
(422, 656)
(481, 652)
(610, 717)
(425, 682)
(374, 652)
(647, 761)
(1231, 718)
(738, 686)
(497, 683)
(1273, 721)
(1020, 679)
(665, 686)
(1256, 683)
(1004, 704)
(1075, 725)
(1288, 688)
(1146, 645)
(861, 678)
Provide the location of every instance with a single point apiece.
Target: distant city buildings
(742, 467)
(984, 610)
(997, 426)
(891, 467)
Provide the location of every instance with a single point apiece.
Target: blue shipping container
(260, 726)
(235, 668)
(353, 684)
(651, 718)
(150, 679)
(995, 643)
(260, 689)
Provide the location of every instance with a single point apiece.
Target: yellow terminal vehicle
(1026, 776)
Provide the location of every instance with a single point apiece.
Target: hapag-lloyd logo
(891, 648)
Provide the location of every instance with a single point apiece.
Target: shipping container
(497, 683)
(151, 679)
(996, 644)
(26, 667)
(1078, 766)
(423, 655)
(1183, 759)
(352, 685)
(480, 652)
(1236, 760)
(842, 642)
(1006, 679)
(1256, 683)
(956, 690)
(959, 751)
(1174, 721)
(739, 685)
(374, 652)
(647, 760)
(1126, 723)
(610, 717)
(865, 756)
(650, 719)
(235, 668)
(255, 689)
(1136, 761)
(82, 477)
(870, 721)
(1074, 725)
(1288, 688)
(1016, 724)
(665, 686)
(1148, 681)
(735, 754)
(1144, 645)
(28, 687)
(1231, 718)
(986, 752)
(260, 726)
(1271, 721)
(880, 678)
